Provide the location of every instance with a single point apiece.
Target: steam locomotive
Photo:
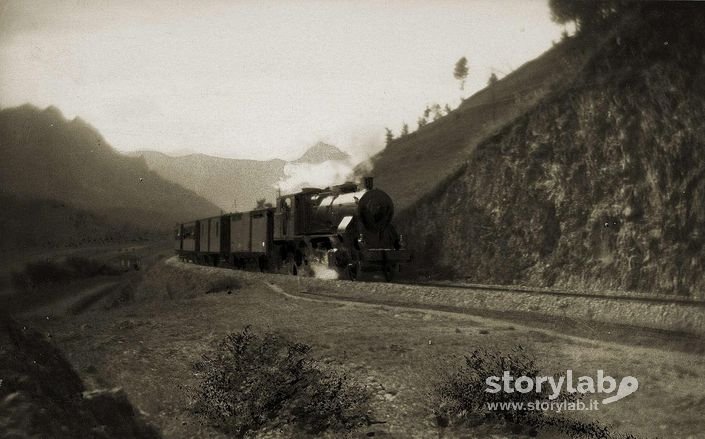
(345, 228)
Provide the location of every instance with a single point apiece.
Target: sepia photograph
(472, 219)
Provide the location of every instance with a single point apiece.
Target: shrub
(253, 382)
(84, 267)
(460, 397)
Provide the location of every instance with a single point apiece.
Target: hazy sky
(257, 79)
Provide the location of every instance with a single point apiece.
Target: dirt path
(76, 303)
(517, 324)
(146, 253)
(431, 299)
(76, 296)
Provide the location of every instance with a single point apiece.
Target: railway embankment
(179, 279)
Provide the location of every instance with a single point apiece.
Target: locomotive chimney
(368, 183)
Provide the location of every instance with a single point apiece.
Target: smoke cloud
(321, 271)
(320, 175)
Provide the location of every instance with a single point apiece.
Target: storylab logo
(607, 387)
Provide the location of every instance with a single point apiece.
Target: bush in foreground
(460, 397)
(254, 382)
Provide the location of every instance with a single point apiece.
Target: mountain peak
(69, 161)
(54, 112)
(322, 152)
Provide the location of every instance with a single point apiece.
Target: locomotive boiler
(345, 228)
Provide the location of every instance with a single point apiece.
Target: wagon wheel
(353, 271)
(389, 271)
(262, 264)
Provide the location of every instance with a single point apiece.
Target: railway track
(660, 313)
(619, 331)
(645, 298)
(629, 297)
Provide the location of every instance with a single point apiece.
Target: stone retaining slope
(677, 316)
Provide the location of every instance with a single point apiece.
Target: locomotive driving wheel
(353, 271)
(295, 263)
(291, 265)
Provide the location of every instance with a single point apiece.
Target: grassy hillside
(33, 223)
(413, 165)
(48, 157)
(601, 185)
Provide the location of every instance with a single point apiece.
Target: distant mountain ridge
(322, 152)
(231, 184)
(48, 157)
(234, 184)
